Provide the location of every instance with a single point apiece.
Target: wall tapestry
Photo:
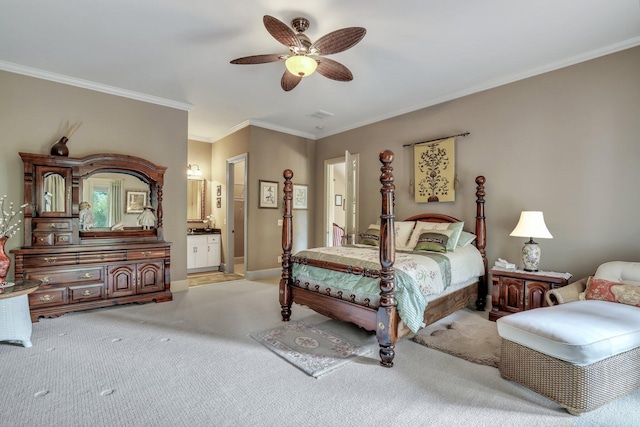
(434, 168)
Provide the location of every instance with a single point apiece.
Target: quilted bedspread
(417, 274)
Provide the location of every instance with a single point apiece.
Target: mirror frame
(79, 168)
(203, 198)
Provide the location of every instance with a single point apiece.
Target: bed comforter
(418, 274)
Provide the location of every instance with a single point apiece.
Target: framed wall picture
(219, 202)
(338, 199)
(136, 201)
(219, 190)
(299, 196)
(268, 194)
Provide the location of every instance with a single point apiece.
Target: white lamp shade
(300, 65)
(531, 225)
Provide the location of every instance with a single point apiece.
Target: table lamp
(531, 225)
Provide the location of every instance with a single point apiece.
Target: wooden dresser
(96, 267)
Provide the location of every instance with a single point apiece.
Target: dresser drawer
(95, 274)
(138, 254)
(86, 292)
(52, 224)
(52, 260)
(48, 296)
(97, 257)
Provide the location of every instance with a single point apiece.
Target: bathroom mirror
(196, 199)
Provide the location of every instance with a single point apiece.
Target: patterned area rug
(477, 342)
(316, 351)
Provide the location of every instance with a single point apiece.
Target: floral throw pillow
(604, 290)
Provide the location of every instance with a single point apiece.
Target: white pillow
(403, 233)
(465, 239)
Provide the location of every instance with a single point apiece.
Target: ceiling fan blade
(339, 40)
(281, 32)
(334, 70)
(260, 59)
(289, 81)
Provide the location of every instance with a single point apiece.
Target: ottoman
(581, 355)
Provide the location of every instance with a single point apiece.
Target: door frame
(230, 212)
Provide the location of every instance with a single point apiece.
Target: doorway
(341, 199)
(236, 215)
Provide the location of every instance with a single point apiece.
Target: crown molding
(282, 129)
(86, 84)
(490, 84)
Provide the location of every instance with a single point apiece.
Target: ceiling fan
(305, 57)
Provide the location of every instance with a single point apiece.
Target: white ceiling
(416, 53)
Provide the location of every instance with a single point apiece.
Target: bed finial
(287, 243)
(481, 242)
(387, 327)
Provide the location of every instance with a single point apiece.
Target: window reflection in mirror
(195, 200)
(54, 191)
(106, 193)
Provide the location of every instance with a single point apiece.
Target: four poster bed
(368, 290)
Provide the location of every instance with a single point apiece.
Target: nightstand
(519, 290)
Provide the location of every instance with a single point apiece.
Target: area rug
(314, 350)
(477, 341)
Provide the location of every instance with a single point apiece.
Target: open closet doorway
(341, 201)
(236, 222)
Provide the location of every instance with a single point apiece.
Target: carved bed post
(387, 319)
(481, 242)
(287, 242)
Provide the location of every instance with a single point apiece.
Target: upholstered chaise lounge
(582, 351)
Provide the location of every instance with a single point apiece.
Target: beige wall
(565, 143)
(269, 154)
(33, 114)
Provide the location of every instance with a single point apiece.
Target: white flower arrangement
(209, 219)
(6, 228)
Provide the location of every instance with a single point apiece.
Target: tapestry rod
(436, 139)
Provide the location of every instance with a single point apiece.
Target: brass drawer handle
(86, 293)
(102, 256)
(45, 279)
(86, 276)
(50, 260)
(146, 253)
(52, 225)
(46, 298)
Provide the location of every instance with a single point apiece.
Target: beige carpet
(470, 338)
(190, 362)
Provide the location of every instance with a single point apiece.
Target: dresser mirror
(56, 187)
(53, 194)
(106, 193)
(53, 191)
(196, 196)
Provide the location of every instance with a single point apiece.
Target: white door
(351, 196)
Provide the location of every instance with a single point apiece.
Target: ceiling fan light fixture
(301, 65)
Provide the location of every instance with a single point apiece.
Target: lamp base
(531, 256)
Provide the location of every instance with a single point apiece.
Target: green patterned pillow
(435, 241)
(370, 237)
